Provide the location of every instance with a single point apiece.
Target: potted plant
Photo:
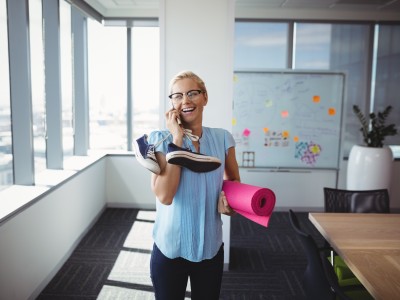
(370, 166)
(374, 130)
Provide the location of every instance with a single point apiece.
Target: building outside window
(260, 45)
(107, 86)
(387, 78)
(145, 79)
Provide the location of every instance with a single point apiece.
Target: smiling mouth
(186, 110)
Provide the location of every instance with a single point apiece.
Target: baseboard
(298, 209)
(144, 206)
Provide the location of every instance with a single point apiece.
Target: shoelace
(190, 136)
(187, 132)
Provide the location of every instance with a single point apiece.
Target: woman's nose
(186, 98)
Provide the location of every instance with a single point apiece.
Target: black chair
(319, 280)
(348, 201)
(376, 201)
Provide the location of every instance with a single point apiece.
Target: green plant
(374, 129)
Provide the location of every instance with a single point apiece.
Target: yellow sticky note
(315, 149)
(268, 103)
(285, 134)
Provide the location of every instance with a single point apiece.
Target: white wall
(199, 36)
(128, 183)
(36, 242)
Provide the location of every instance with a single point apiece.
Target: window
(312, 47)
(387, 76)
(6, 158)
(37, 84)
(107, 86)
(261, 45)
(66, 79)
(108, 69)
(145, 79)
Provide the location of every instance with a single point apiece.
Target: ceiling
(123, 8)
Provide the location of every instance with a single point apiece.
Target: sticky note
(296, 139)
(265, 129)
(284, 114)
(315, 149)
(234, 121)
(285, 134)
(268, 103)
(246, 132)
(316, 99)
(331, 111)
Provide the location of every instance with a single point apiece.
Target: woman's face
(190, 110)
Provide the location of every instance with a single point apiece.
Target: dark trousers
(170, 276)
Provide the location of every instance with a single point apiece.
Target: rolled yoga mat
(253, 202)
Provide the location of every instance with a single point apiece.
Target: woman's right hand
(173, 125)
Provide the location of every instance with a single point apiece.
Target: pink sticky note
(246, 132)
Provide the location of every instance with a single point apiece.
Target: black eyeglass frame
(187, 94)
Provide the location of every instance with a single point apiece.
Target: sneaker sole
(149, 164)
(192, 161)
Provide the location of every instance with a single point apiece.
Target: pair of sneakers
(196, 162)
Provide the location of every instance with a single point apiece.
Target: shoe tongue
(191, 136)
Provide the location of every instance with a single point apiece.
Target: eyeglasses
(192, 95)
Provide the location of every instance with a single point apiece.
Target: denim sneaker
(193, 161)
(145, 154)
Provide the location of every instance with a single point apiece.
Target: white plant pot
(369, 168)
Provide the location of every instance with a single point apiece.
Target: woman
(188, 227)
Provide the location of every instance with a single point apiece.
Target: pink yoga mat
(253, 202)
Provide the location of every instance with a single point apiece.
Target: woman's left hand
(223, 206)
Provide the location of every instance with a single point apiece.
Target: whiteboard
(287, 119)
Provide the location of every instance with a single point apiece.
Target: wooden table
(370, 246)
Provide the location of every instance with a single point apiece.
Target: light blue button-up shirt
(191, 226)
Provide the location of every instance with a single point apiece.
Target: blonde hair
(190, 75)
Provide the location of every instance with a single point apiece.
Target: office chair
(376, 201)
(319, 279)
(350, 201)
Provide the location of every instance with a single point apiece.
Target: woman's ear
(205, 98)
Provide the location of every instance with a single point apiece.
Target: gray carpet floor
(112, 260)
